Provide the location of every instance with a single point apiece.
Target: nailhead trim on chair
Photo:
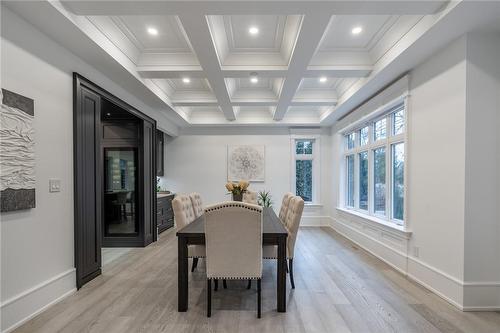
(233, 204)
(235, 278)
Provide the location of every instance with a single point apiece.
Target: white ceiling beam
(197, 30)
(310, 35)
(329, 102)
(170, 72)
(245, 7)
(176, 72)
(196, 103)
(339, 71)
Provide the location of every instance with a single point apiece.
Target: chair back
(250, 197)
(284, 206)
(183, 211)
(197, 204)
(233, 239)
(292, 222)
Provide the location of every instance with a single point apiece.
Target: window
(363, 136)
(351, 140)
(374, 166)
(379, 181)
(398, 160)
(363, 180)
(350, 181)
(379, 132)
(398, 122)
(305, 166)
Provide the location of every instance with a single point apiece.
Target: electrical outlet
(54, 185)
(415, 251)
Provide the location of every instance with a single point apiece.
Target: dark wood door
(89, 137)
(87, 202)
(160, 146)
(149, 177)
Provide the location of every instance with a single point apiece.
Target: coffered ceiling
(290, 62)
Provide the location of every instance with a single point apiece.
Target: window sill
(312, 204)
(379, 223)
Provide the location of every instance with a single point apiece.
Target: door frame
(87, 194)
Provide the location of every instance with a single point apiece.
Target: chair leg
(249, 284)
(209, 298)
(259, 305)
(224, 284)
(291, 273)
(195, 264)
(216, 282)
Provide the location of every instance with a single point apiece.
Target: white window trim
(315, 157)
(369, 120)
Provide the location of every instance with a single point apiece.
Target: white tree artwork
(246, 162)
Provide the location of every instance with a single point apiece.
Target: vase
(238, 197)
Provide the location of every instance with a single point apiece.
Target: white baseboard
(315, 221)
(429, 277)
(467, 296)
(22, 307)
(481, 296)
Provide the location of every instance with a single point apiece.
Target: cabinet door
(86, 178)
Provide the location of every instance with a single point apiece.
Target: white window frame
(370, 147)
(315, 157)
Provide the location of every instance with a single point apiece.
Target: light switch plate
(54, 185)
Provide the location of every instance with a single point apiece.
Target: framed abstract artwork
(246, 163)
(17, 151)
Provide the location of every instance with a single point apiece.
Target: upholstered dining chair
(292, 222)
(197, 204)
(228, 226)
(284, 206)
(250, 197)
(184, 214)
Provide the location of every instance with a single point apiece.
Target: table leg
(182, 274)
(281, 284)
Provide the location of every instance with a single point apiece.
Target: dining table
(273, 233)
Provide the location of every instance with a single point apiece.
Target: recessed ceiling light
(356, 30)
(186, 80)
(152, 31)
(253, 30)
(323, 79)
(253, 77)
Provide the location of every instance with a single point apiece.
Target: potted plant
(237, 189)
(159, 189)
(265, 199)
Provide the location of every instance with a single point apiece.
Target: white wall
(37, 265)
(452, 199)
(435, 180)
(198, 163)
(482, 194)
(436, 155)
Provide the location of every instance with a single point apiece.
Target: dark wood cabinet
(164, 212)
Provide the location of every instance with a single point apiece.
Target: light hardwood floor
(339, 288)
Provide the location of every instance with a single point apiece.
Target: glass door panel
(120, 192)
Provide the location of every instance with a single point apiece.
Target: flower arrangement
(237, 189)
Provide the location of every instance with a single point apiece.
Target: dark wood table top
(271, 226)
